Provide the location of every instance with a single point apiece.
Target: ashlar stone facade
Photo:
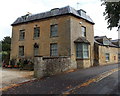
(58, 32)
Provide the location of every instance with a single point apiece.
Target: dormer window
(82, 13)
(54, 11)
(105, 41)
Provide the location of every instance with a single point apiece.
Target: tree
(6, 46)
(112, 13)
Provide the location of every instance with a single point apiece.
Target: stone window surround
(53, 30)
(21, 51)
(21, 34)
(83, 33)
(36, 35)
(107, 57)
(36, 49)
(53, 49)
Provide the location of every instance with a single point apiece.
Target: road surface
(94, 80)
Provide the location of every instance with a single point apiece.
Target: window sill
(82, 59)
(21, 56)
(35, 38)
(22, 40)
(53, 36)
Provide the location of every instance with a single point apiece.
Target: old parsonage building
(59, 33)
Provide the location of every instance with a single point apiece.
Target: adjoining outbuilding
(106, 51)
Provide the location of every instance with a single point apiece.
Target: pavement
(94, 80)
(10, 77)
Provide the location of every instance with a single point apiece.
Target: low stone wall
(46, 66)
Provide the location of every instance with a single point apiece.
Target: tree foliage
(112, 13)
(6, 44)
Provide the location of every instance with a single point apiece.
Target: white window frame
(36, 32)
(107, 56)
(81, 50)
(21, 50)
(54, 30)
(22, 34)
(53, 49)
(83, 29)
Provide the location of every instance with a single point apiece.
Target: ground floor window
(82, 51)
(53, 49)
(107, 55)
(21, 50)
(36, 49)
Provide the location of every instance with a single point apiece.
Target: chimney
(110, 38)
(26, 16)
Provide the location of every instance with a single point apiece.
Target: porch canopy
(81, 40)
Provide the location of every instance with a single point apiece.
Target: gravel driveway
(14, 76)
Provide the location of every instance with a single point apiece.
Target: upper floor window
(53, 49)
(107, 56)
(21, 50)
(82, 51)
(53, 30)
(36, 32)
(22, 35)
(83, 29)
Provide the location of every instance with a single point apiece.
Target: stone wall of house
(46, 66)
(76, 33)
(113, 52)
(44, 41)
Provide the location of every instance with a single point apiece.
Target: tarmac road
(94, 80)
(108, 85)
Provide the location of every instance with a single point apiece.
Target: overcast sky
(12, 9)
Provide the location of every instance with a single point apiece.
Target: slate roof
(116, 42)
(99, 40)
(82, 40)
(53, 13)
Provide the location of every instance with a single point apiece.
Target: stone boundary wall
(46, 66)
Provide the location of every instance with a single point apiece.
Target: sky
(12, 9)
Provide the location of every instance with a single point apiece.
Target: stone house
(55, 33)
(117, 43)
(106, 52)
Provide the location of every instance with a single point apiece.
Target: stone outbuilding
(106, 52)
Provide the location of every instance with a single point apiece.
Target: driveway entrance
(14, 76)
